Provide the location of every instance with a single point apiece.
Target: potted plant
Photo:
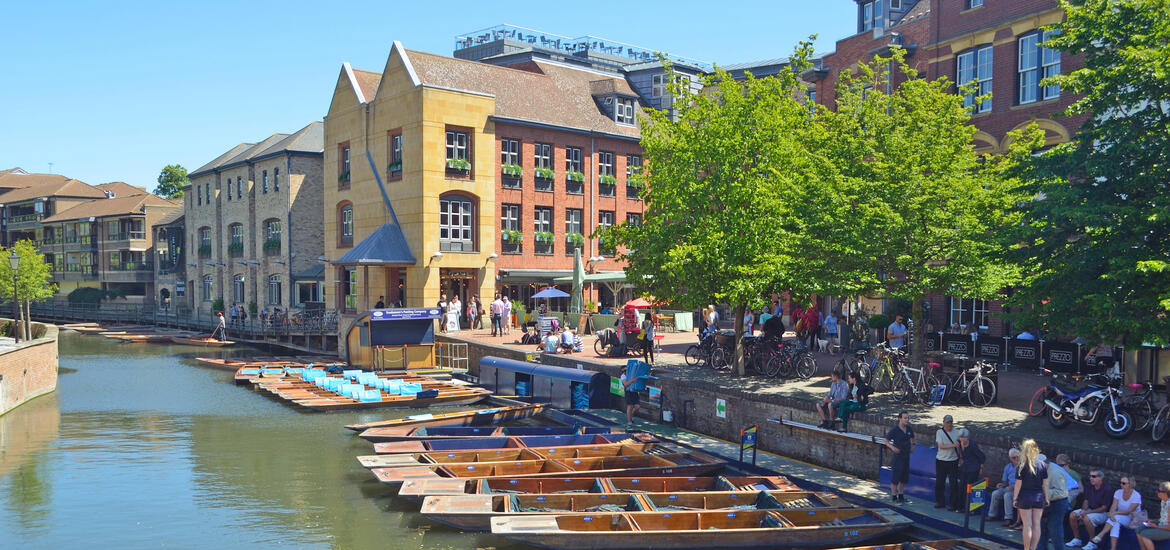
(574, 176)
(576, 240)
(607, 179)
(236, 249)
(590, 307)
(272, 245)
(545, 173)
(544, 236)
(462, 165)
(395, 166)
(205, 251)
(514, 170)
(343, 177)
(512, 236)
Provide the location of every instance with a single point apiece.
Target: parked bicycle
(707, 353)
(793, 360)
(1141, 405)
(974, 384)
(1160, 425)
(920, 387)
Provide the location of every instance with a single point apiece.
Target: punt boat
(948, 544)
(235, 364)
(815, 528)
(681, 464)
(255, 372)
(318, 399)
(482, 417)
(426, 433)
(201, 341)
(510, 454)
(474, 512)
(509, 442)
(417, 489)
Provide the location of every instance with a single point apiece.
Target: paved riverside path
(832, 480)
(1006, 419)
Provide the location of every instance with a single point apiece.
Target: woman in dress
(1031, 492)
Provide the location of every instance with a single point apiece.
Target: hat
(1041, 458)
(1062, 459)
(948, 418)
(964, 433)
(220, 313)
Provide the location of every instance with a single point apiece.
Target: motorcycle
(1099, 400)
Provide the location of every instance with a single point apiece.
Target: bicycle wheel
(903, 389)
(957, 389)
(772, 368)
(806, 366)
(864, 373)
(693, 356)
(1140, 409)
(1036, 406)
(1161, 424)
(601, 350)
(981, 392)
(926, 392)
(883, 380)
(718, 359)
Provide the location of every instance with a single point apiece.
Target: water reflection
(141, 448)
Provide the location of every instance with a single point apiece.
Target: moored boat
(201, 341)
(417, 489)
(508, 442)
(482, 417)
(426, 392)
(426, 433)
(816, 528)
(625, 448)
(474, 512)
(948, 544)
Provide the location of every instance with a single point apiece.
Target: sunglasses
(1094, 475)
(1125, 483)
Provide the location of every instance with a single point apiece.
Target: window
(974, 69)
(264, 183)
(973, 4)
(236, 246)
(604, 219)
(276, 180)
(509, 151)
(455, 225)
(572, 159)
(971, 312)
(198, 195)
(349, 289)
(238, 288)
(458, 153)
(239, 188)
(542, 161)
(871, 15)
(634, 180)
(895, 4)
(510, 163)
(204, 242)
(180, 289)
(812, 102)
(634, 219)
(272, 237)
(624, 111)
(512, 240)
(607, 183)
(343, 164)
(207, 191)
(1035, 63)
(542, 223)
(657, 85)
(345, 224)
(573, 227)
(208, 289)
(274, 290)
(395, 167)
(605, 163)
(229, 189)
(574, 177)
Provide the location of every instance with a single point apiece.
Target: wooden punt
(474, 512)
(509, 442)
(417, 489)
(311, 397)
(428, 433)
(526, 453)
(141, 338)
(85, 328)
(681, 464)
(255, 372)
(948, 544)
(817, 528)
(206, 342)
(482, 417)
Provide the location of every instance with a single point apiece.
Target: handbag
(1138, 517)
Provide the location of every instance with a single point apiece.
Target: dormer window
(871, 15)
(624, 111)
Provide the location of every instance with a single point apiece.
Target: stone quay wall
(28, 370)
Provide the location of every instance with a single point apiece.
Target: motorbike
(1100, 400)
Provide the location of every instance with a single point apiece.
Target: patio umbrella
(638, 303)
(578, 282)
(550, 292)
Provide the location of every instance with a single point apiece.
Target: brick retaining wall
(29, 370)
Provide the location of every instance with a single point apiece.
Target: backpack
(617, 350)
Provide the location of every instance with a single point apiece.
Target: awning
(603, 277)
(385, 246)
(534, 274)
(316, 272)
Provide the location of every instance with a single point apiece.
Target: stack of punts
(236, 364)
(357, 390)
(254, 372)
(809, 528)
(675, 464)
(474, 512)
(949, 544)
(419, 489)
(510, 442)
(608, 449)
(84, 328)
(481, 417)
(427, 433)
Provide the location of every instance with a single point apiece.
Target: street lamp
(14, 262)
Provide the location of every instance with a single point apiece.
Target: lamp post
(14, 262)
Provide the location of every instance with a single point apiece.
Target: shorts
(632, 398)
(1154, 534)
(1097, 519)
(901, 469)
(1031, 500)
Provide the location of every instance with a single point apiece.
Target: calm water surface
(140, 447)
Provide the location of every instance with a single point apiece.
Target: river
(140, 447)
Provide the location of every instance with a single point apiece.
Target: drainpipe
(592, 190)
(288, 225)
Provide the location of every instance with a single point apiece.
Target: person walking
(946, 465)
(442, 305)
(896, 332)
(900, 441)
(1031, 492)
(648, 338)
(1057, 503)
(1149, 533)
(812, 324)
(633, 400)
(507, 315)
(472, 309)
(454, 310)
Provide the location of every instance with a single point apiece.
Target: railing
(126, 235)
(132, 266)
(24, 218)
(76, 268)
(576, 46)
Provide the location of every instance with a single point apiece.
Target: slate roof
(121, 189)
(220, 160)
(66, 188)
(386, 245)
(310, 139)
(921, 9)
(549, 93)
(172, 216)
(254, 150)
(102, 208)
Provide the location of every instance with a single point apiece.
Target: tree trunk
(739, 367)
(918, 343)
(17, 323)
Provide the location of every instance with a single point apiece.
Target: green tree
(1095, 243)
(722, 173)
(171, 181)
(32, 278)
(910, 208)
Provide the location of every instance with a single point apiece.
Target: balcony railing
(132, 266)
(126, 235)
(23, 218)
(75, 268)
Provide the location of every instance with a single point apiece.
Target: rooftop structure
(508, 39)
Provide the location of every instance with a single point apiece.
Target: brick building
(993, 43)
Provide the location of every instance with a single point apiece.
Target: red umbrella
(638, 303)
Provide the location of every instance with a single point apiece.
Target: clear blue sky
(116, 90)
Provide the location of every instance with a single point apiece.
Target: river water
(140, 447)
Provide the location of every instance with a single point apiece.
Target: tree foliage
(32, 276)
(1095, 242)
(171, 181)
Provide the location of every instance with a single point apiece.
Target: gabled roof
(310, 139)
(121, 189)
(220, 160)
(367, 82)
(119, 206)
(172, 216)
(547, 93)
(66, 188)
(13, 170)
(253, 151)
(385, 246)
(11, 179)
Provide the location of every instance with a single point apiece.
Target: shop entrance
(461, 283)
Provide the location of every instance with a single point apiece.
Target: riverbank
(28, 369)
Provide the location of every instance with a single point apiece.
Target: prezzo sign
(1061, 357)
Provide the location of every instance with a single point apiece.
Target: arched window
(457, 223)
(238, 288)
(272, 237)
(204, 242)
(208, 289)
(236, 246)
(345, 223)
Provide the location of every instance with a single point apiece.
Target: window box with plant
(205, 251)
(543, 242)
(394, 168)
(458, 167)
(236, 249)
(511, 175)
(574, 240)
(607, 186)
(272, 247)
(511, 240)
(544, 178)
(343, 178)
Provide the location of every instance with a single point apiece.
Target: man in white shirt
(946, 465)
(497, 312)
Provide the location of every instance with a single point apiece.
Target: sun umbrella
(550, 292)
(638, 303)
(578, 282)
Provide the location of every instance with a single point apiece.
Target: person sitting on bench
(838, 391)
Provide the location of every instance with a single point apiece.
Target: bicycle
(792, 360)
(1036, 406)
(707, 353)
(859, 364)
(888, 365)
(1160, 426)
(972, 383)
(1141, 405)
(920, 389)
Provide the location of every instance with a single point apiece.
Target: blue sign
(406, 314)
